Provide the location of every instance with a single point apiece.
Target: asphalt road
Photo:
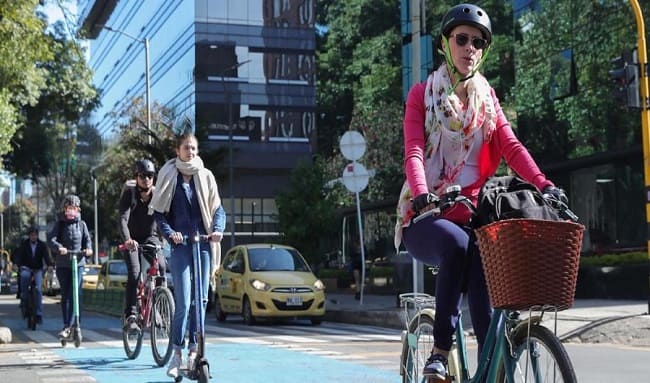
(285, 352)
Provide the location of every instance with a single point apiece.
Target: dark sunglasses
(462, 39)
(143, 176)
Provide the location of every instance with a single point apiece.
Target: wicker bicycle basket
(530, 263)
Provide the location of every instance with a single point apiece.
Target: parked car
(90, 276)
(267, 281)
(51, 286)
(112, 275)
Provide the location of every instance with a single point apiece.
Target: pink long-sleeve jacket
(503, 144)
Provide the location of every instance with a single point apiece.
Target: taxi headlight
(319, 285)
(260, 285)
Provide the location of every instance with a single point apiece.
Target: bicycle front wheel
(161, 325)
(538, 358)
(132, 340)
(416, 348)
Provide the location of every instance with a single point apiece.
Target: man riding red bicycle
(137, 227)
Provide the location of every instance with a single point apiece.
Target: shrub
(614, 259)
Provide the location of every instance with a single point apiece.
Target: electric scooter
(75, 329)
(201, 369)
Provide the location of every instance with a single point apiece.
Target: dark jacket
(23, 255)
(71, 234)
(135, 221)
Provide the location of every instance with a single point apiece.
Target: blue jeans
(440, 242)
(67, 305)
(180, 266)
(25, 276)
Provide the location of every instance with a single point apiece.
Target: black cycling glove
(423, 200)
(556, 193)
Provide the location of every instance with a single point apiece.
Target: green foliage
(305, 214)
(16, 219)
(590, 121)
(359, 61)
(23, 45)
(614, 259)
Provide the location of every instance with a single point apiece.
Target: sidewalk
(589, 320)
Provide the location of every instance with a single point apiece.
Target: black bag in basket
(508, 197)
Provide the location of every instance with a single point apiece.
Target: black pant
(133, 267)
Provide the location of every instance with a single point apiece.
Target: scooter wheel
(63, 342)
(204, 373)
(178, 379)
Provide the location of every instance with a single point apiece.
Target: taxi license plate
(294, 301)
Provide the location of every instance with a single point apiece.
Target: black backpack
(508, 197)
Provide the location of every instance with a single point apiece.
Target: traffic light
(625, 74)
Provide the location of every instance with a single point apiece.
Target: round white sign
(352, 145)
(355, 177)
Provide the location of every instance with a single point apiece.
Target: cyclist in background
(137, 227)
(69, 233)
(455, 133)
(30, 258)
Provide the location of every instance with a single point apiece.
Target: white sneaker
(191, 359)
(174, 364)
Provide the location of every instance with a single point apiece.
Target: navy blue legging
(64, 274)
(440, 242)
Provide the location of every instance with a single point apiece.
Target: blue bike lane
(228, 363)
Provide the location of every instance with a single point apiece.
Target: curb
(380, 318)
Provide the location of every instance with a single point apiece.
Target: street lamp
(144, 41)
(230, 167)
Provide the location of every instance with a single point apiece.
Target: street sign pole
(355, 178)
(645, 118)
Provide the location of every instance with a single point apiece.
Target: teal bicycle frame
(497, 347)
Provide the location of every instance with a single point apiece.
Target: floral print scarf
(451, 131)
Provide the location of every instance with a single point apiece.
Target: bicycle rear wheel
(161, 325)
(416, 348)
(132, 339)
(540, 357)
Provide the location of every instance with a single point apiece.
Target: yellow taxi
(90, 276)
(267, 281)
(112, 275)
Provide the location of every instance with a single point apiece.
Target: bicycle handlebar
(141, 247)
(452, 196)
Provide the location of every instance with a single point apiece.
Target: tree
(588, 121)
(359, 61)
(305, 214)
(23, 45)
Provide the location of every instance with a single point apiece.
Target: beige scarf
(207, 194)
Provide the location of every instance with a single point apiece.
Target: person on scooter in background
(69, 233)
(30, 257)
(455, 133)
(137, 227)
(187, 201)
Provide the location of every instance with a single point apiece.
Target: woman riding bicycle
(455, 133)
(137, 226)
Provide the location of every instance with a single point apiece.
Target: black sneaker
(436, 367)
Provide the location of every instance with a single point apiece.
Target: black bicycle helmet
(71, 200)
(466, 14)
(144, 166)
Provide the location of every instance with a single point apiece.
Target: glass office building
(243, 69)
